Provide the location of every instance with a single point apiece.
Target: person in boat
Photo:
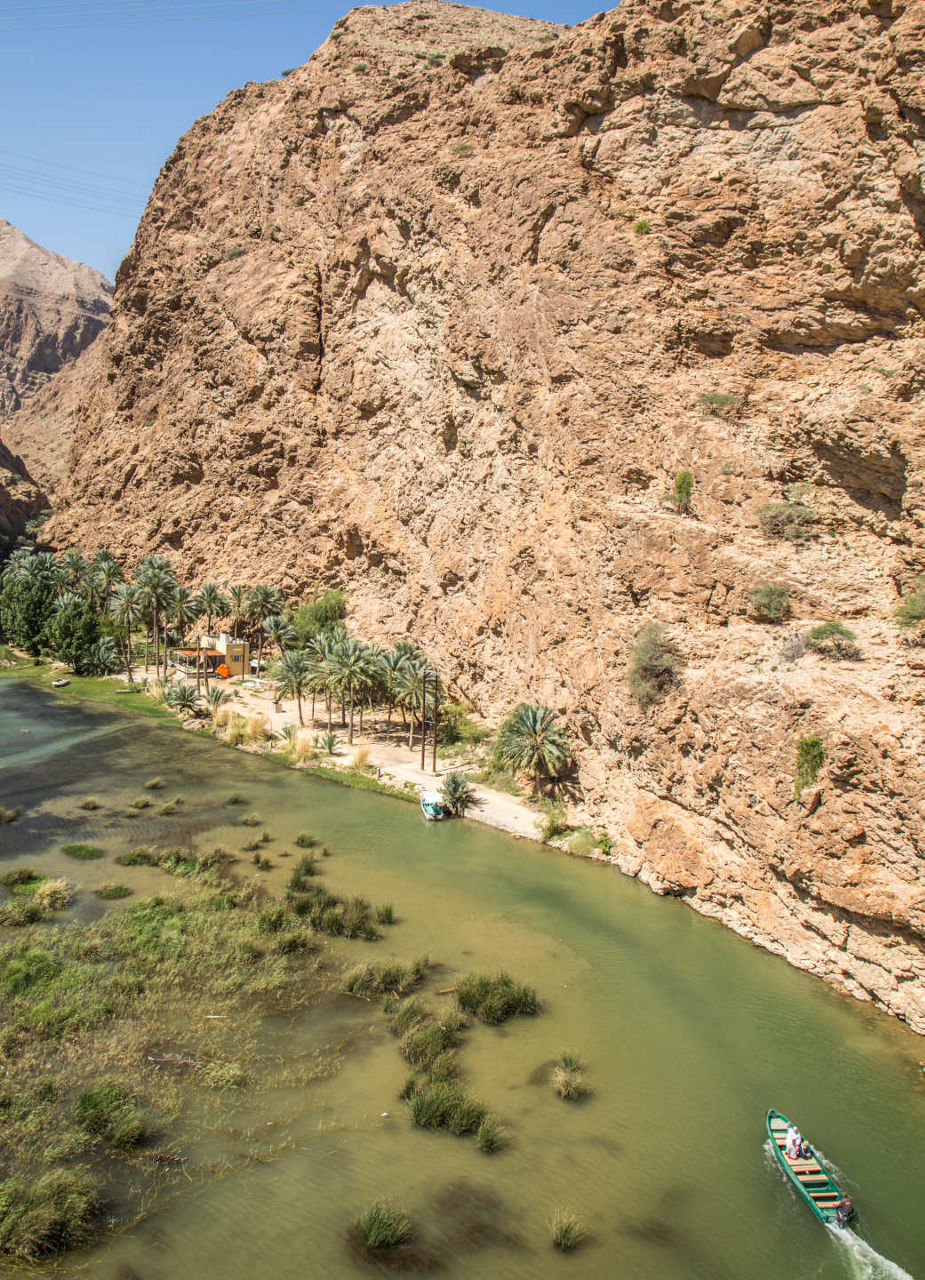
(806, 1150)
(844, 1211)
(794, 1142)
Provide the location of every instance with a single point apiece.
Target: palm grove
(89, 614)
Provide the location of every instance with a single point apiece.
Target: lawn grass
(91, 689)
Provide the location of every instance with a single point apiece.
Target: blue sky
(95, 93)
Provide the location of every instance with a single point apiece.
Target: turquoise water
(688, 1034)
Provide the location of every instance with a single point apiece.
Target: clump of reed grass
(391, 977)
(141, 857)
(52, 895)
(235, 799)
(86, 852)
(8, 815)
(385, 913)
(19, 877)
(403, 1014)
(424, 1043)
(141, 803)
(302, 873)
(360, 758)
(494, 999)
(154, 784)
(383, 1225)
(251, 820)
(491, 1136)
(109, 891)
(55, 1212)
(442, 1104)
(108, 1111)
(305, 841)
(568, 1230)
(89, 803)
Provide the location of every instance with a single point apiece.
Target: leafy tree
(811, 756)
(72, 633)
(392, 665)
(653, 666)
(214, 604)
(320, 613)
(293, 677)
(683, 490)
(26, 608)
(237, 604)
(458, 795)
(532, 740)
(771, 602)
(833, 640)
(102, 658)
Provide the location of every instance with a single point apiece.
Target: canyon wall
(441, 314)
(51, 309)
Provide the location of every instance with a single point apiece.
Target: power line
(66, 187)
(73, 168)
(66, 200)
(8, 25)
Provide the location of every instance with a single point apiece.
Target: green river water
(687, 1032)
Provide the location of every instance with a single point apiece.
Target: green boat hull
(810, 1177)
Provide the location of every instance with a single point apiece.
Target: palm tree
(392, 663)
(533, 741)
(183, 697)
(158, 585)
(261, 603)
(279, 632)
(214, 604)
(353, 672)
(126, 608)
(411, 689)
(185, 608)
(73, 569)
(216, 698)
(237, 604)
(293, 677)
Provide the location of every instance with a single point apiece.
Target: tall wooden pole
(433, 758)
(423, 716)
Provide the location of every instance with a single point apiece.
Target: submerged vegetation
(80, 1009)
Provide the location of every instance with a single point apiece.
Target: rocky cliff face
(20, 496)
(441, 314)
(51, 309)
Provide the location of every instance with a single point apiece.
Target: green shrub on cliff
(789, 520)
(811, 756)
(771, 602)
(655, 661)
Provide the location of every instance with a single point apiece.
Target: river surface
(687, 1032)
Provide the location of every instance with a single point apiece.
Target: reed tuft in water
(568, 1230)
(491, 1136)
(383, 1225)
(568, 1077)
(494, 999)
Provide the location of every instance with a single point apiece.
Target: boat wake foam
(867, 1263)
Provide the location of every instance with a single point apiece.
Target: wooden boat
(813, 1181)
(59, 684)
(432, 806)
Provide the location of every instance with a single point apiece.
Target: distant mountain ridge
(51, 309)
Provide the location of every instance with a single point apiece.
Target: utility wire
(61, 186)
(74, 204)
(13, 25)
(72, 168)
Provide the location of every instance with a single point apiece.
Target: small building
(220, 656)
(231, 653)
